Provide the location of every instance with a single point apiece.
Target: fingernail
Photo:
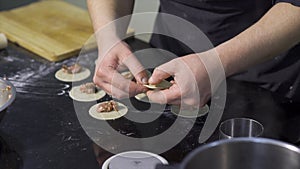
(145, 80)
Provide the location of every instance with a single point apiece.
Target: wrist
(226, 55)
(214, 67)
(105, 41)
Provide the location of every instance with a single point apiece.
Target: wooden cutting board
(54, 30)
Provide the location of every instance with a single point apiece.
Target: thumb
(142, 77)
(137, 69)
(160, 73)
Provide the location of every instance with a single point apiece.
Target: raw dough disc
(142, 97)
(162, 85)
(190, 113)
(76, 94)
(122, 110)
(66, 77)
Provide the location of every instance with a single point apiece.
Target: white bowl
(6, 97)
(135, 155)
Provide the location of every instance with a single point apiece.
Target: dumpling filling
(76, 68)
(107, 107)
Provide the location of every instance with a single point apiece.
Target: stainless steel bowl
(9, 100)
(245, 153)
(242, 153)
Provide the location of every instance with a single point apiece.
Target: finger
(103, 80)
(113, 91)
(204, 100)
(171, 95)
(164, 71)
(175, 102)
(103, 73)
(157, 76)
(163, 99)
(126, 85)
(108, 74)
(142, 77)
(122, 68)
(136, 68)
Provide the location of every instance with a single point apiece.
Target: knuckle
(99, 83)
(99, 73)
(96, 81)
(133, 90)
(194, 102)
(191, 102)
(156, 72)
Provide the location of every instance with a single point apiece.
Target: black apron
(221, 20)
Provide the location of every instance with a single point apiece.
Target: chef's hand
(191, 85)
(112, 61)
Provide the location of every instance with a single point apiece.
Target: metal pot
(242, 153)
(6, 98)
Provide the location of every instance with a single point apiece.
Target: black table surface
(41, 129)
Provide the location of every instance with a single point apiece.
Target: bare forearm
(273, 34)
(103, 12)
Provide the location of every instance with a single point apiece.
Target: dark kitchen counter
(41, 128)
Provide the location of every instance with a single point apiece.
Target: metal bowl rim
(13, 92)
(243, 118)
(282, 144)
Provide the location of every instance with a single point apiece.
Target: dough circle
(66, 77)
(189, 113)
(122, 110)
(77, 95)
(161, 86)
(142, 97)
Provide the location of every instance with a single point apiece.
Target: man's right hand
(109, 65)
